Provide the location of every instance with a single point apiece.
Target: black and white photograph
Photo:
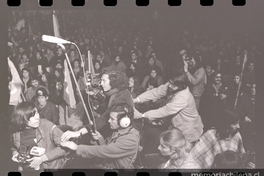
(173, 88)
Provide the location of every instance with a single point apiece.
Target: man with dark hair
(114, 84)
(118, 151)
(225, 136)
(31, 91)
(47, 110)
(196, 76)
(180, 107)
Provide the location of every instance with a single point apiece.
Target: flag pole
(78, 88)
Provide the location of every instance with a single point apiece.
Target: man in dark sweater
(47, 110)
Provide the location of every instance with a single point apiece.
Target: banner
(56, 26)
(15, 86)
(68, 93)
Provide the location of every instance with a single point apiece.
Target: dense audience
(191, 76)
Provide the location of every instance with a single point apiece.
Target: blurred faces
(37, 55)
(217, 78)
(151, 61)
(113, 121)
(105, 82)
(60, 51)
(34, 120)
(133, 56)
(35, 83)
(165, 150)
(72, 54)
(59, 86)
(131, 82)
(253, 89)
(234, 128)
(76, 64)
(237, 79)
(153, 73)
(25, 74)
(208, 69)
(97, 66)
(172, 88)
(117, 59)
(191, 62)
(251, 67)
(42, 100)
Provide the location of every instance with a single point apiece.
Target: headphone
(124, 121)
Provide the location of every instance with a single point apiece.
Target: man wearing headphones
(114, 84)
(118, 151)
(180, 108)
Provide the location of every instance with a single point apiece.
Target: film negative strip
(67, 46)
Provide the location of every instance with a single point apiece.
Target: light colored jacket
(180, 108)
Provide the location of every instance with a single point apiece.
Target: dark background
(221, 16)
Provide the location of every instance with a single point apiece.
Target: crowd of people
(189, 98)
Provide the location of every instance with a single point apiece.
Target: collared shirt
(209, 146)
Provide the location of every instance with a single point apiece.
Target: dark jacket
(49, 112)
(121, 96)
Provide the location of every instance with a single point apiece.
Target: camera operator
(114, 84)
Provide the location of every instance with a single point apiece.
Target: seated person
(228, 160)
(118, 151)
(33, 131)
(223, 137)
(47, 110)
(174, 145)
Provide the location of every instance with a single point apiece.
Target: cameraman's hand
(136, 100)
(35, 162)
(15, 156)
(70, 134)
(96, 135)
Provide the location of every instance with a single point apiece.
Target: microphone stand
(240, 82)
(85, 79)
(78, 88)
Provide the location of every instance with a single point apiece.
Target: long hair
(117, 78)
(21, 115)
(175, 140)
(228, 160)
(226, 119)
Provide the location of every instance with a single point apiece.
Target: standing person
(196, 76)
(118, 151)
(114, 84)
(180, 108)
(34, 131)
(47, 110)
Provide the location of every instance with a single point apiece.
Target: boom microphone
(52, 39)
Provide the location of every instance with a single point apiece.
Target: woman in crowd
(32, 131)
(174, 145)
(154, 74)
(97, 67)
(76, 67)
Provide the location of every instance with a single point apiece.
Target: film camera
(94, 85)
(25, 154)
